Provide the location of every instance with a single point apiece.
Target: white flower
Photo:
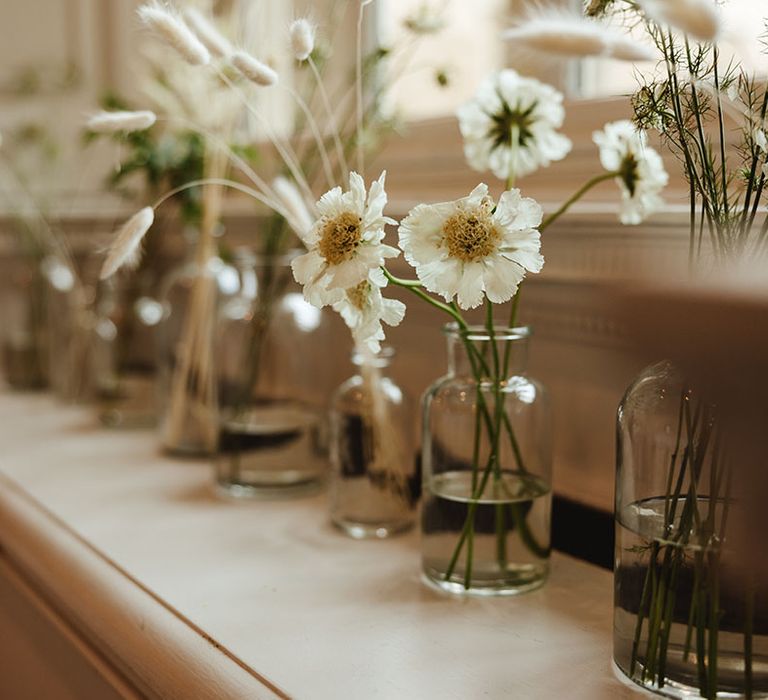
(345, 243)
(469, 247)
(624, 149)
(364, 309)
(510, 126)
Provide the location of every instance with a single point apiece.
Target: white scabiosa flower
(169, 26)
(555, 31)
(510, 127)
(112, 122)
(302, 35)
(364, 309)
(346, 242)
(253, 69)
(641, 174)
(125, 250)
(700, 19)
(472, 246)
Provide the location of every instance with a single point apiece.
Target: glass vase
(124, 361)
(69, 306)
(271, 356)
(25, 331)
(373, 467)
(186, 384)
(486, 510)
(691, 605)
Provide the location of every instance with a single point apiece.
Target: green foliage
(164, 160)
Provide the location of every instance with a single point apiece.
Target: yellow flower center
(358, 295)
(471, 234)
(340, 237)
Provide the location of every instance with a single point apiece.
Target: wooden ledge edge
(152, 645)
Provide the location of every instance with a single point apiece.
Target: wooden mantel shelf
(182, 595)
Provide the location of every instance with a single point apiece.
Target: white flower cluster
(510, 127)
(464, 250)
(640, 171)
(345, 253)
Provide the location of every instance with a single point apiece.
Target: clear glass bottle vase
(25, 329)
(191, 295)
(272, 350)
(69, 306)
(486, 460)
(124, 361)
(691, 595)
(373, 464)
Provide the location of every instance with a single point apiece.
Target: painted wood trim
(164, 655)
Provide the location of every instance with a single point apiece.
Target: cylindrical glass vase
(486, 510)
(124, 361)
(373, 467)
(69, 306)
(271, 356)
(691, 595)
(186, 383)
(25, 327)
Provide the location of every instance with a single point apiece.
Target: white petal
(441, 277)
(356, 193)
(392, 312)
(501, 278)
(514, 211)
(347, 274)
(470, 293)
(331, 204)
(307, 267)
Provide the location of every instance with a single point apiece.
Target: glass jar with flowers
(373, 489)
(689, 613)
(271, 350)
(224, 81)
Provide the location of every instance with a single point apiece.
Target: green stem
(575, 197)
(501, 533)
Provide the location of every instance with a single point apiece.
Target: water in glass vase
(270, 448)
(690, 618)
(498, 544)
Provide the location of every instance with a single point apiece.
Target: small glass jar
(124, 361)
(691, 589)
(190, 295)
(486, 456)
(69, 306)
(25, 332)
(272, 350)
(373, 465)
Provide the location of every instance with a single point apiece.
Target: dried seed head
(111, 122)
(302, 39)
(204, 29)
(253, 69)
(171, 28)
(125, 250)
